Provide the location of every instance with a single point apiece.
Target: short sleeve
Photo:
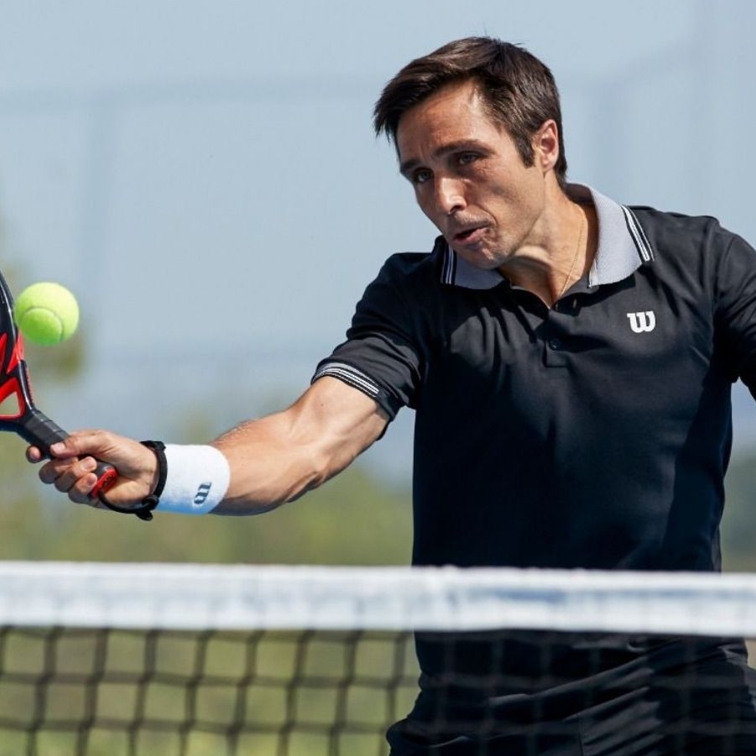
(382, 354)
(735, 308)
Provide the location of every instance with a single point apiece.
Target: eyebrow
(407, 166)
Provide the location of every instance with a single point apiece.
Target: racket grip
(36, 428)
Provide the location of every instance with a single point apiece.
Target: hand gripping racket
(21, 416)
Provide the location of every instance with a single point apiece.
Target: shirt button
(555, 344)
(566, 305)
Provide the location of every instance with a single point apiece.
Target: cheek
(425, 202)
(518, 205)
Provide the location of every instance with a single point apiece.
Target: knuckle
(61, 485)
(80, 493)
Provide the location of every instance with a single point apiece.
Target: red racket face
(17, 410)
(15, 390)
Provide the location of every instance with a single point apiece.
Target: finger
(83, 443)
(81, 491)
(53, 469)
(67, 479)
(34, 455)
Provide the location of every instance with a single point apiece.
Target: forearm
(273, 461)
(280, 457)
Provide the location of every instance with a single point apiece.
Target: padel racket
(17, 411)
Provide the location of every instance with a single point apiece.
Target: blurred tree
(739, 521)
(353, 519)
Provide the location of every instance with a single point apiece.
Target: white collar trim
(622, 247)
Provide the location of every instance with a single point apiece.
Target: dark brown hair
(518, 89)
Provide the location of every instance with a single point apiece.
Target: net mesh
(162, 692)
(196, 660)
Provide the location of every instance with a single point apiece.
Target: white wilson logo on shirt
(642, 321)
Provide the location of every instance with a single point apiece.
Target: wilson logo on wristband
(202, 493)
(197, 479)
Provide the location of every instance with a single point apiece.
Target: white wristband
(197, 479)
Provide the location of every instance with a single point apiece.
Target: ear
(546, 146)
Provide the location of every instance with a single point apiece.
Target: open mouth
(470, 234)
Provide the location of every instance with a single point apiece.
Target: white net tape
(197, 597)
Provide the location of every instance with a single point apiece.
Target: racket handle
(36, 428)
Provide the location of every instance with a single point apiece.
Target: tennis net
(192, 660)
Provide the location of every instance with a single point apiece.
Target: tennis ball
(46, 313)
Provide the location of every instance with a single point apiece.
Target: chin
(483, 259)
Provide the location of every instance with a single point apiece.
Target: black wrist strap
(144, 510)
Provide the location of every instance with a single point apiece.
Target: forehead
(453, 114)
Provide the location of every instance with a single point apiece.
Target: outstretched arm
(272, 460)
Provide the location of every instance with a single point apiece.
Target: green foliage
(739, 521)
(353, 519)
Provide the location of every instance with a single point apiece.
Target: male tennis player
(570, 362)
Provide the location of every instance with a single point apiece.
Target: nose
(449, 195)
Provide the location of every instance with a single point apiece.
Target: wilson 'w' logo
(202, 493)
(642, 322)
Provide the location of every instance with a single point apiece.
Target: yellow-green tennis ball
(46, 313)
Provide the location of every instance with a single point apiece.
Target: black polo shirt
(592, 434)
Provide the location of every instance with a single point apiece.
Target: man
(570, 362)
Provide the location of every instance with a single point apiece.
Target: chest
(637, 347)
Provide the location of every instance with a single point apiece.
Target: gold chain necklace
(574, 259)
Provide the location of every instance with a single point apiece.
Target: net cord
(243, 597)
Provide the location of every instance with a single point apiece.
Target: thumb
(80, 444)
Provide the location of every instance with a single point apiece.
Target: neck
(548, 269)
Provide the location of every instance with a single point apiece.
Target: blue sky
(203, 175)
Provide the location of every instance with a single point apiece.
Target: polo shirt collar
(622, 247)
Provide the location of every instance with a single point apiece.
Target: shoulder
(407, 265)
(412, 266)
(672, 230)
(697, 252)
(411, 275)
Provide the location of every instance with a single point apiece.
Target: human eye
(420, 176)
(466, 158)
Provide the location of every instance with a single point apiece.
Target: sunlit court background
(203, 175)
